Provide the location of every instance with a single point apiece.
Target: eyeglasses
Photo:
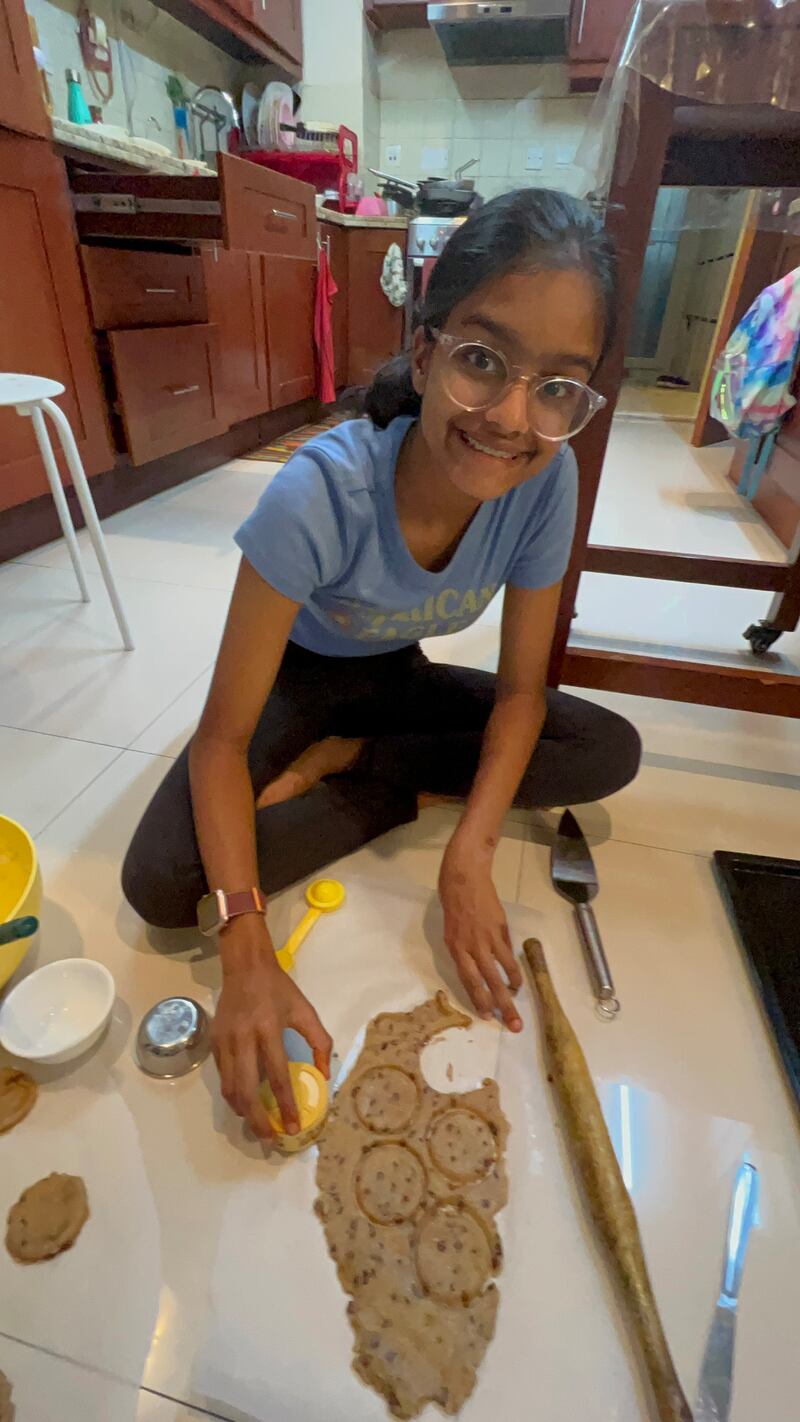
(477, 377)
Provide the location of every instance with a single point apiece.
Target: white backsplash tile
(493, 112)
(144, 54)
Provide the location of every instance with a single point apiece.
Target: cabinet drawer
(267, 212)
(245, 206)
(167, 387)
(129, 288)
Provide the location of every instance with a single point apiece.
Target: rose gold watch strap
(244, 901)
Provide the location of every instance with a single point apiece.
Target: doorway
(687, 266)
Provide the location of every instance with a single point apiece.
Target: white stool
(30, 395)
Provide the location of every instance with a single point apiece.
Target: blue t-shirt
(325, 533)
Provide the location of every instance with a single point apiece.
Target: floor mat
(281, 449)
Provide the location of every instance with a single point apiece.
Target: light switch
(564, 155)
(392, 155)
(534, 160)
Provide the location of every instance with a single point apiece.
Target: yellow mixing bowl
(20, 890)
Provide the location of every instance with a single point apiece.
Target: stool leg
(90, 515)
(59, 497)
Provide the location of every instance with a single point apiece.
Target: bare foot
(329, 757)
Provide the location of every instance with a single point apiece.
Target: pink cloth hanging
(323, 329)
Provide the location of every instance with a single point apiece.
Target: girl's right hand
(258, 1001)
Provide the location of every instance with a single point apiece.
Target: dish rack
(324, 168)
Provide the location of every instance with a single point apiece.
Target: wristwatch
(216, 909)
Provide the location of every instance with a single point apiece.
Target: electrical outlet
(392, 155)
(534, 160)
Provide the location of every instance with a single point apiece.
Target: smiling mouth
(492, 450)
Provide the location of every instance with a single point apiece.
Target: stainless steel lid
(174, 1037)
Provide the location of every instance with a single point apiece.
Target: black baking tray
(762, 896)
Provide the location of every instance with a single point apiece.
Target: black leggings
(423, 723)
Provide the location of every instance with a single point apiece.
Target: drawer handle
(161, 291)
(279, 212)
(185, 390)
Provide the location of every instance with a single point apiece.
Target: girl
(325, 721)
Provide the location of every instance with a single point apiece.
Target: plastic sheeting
(731, 53)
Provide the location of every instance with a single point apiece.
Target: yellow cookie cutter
(324, 896)
(311, 1095)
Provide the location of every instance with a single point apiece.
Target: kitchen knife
(575, 879)
(716, 1372)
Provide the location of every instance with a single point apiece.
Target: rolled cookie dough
(409, 1183)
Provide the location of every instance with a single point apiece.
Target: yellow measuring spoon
(324, 896)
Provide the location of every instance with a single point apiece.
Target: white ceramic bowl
(58, 1012)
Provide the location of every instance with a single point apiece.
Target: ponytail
(391, 393)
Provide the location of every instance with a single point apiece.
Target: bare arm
(475, 924)
(258, 999)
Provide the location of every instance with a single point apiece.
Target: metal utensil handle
(281, 212)
(744, 1203)
(600, 973)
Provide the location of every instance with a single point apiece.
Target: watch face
(210, 914)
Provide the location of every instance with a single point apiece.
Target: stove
(427, 237)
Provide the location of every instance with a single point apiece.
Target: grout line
(90, 1368)
(180, 1402)
(78, 793)
(59, 736)
(126, 577)
(109, 1376)
(163, 712)
(721, 770)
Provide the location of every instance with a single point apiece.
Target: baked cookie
(47, 1218)
(18, 1093)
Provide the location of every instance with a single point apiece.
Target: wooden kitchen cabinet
(281, 22)
(21, 104)
(131, 288)
(374, 326)
(289, 288)
(167, 380)
(397, 14)
(235, 293)
(44, 323)
(595, 28)
(278, 20)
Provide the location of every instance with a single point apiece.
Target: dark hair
(531, 228)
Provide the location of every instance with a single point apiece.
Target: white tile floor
(658, 492)
(87, 731)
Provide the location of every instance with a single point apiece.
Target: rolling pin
(603, 1187)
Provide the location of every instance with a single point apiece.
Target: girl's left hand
(476, 932)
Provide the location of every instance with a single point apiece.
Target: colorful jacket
(751, 391)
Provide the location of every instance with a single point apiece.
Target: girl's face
(545, 323)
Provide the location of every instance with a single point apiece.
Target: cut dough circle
(385, 1099)
(462, 1145)
(390, 1183)
(454, 1256)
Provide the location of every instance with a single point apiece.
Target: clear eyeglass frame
(587, 401)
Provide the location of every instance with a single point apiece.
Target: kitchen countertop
(351, 219)
(138, 152)
(202, 1272)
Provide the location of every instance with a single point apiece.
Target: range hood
(501, 31)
